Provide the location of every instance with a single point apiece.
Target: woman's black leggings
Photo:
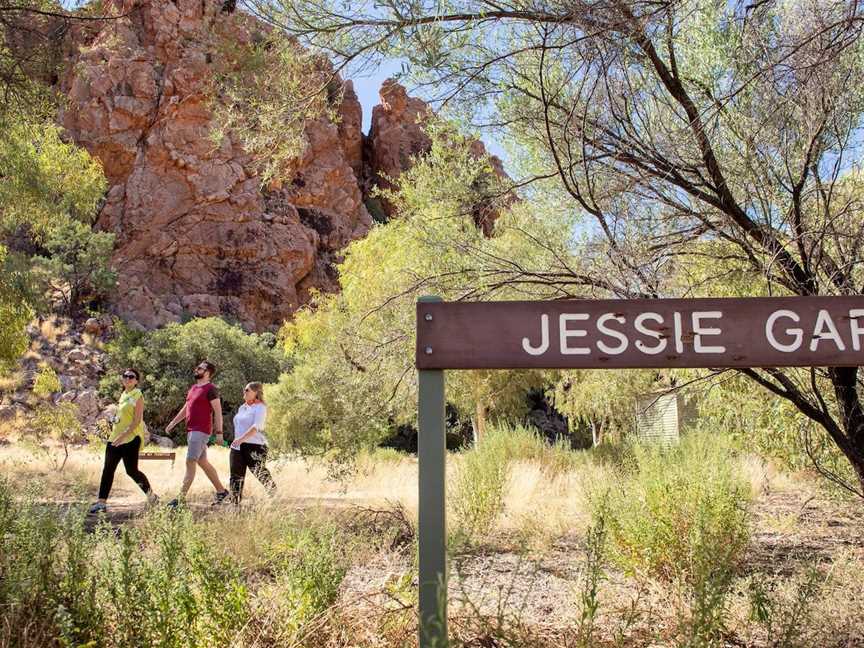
(128, 452)
(252, 456)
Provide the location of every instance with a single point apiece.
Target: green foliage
(267, 91)
(757, 421)
(681, 515)
(59, 422)
(47, 588)
(353, 353)
(521, 443)
(308, 571)
(46, 382)
(160, 584)
(705, 149)
(608, 398)
(44, 180)
(785, 619)
(167, 357)
(14, 315)
(77, 269)
(476, 494)
(165, 586)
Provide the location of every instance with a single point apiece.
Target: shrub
(46, 382)
(14, 313)
(317, 409)
(162, 585)
(680, 515)
(59, 422)
(308, 570)
(45, 589)
(166, 358)
(522, 443)
(478, 489)
(157, 585)
(76, 270)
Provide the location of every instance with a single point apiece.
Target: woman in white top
(249, 448)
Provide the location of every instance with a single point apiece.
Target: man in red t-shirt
(202, 406)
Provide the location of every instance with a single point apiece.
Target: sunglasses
(130, 376)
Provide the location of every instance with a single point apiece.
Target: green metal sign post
(433, 523)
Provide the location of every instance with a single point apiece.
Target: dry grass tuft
(52, 328)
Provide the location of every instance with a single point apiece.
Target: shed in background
(662, 416)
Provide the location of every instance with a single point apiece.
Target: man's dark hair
(211, 368)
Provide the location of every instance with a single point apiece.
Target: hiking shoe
(152, 500)
(220, 497)
(173, 504)
(98, 507)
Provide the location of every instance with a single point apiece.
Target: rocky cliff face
(197, 235)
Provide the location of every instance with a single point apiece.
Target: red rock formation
(397, 136)
(196, 234)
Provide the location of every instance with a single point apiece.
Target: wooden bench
(158, 455)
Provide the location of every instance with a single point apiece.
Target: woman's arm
(238, 440)
(257, 424)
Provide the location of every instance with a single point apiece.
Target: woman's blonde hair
(258, 388)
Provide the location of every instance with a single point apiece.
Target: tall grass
(680, 515)
(477, 493)
(163, 582)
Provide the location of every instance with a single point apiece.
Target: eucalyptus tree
(44, 180)
(352, 353)
(668, 126)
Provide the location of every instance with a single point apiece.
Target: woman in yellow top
(127, 437)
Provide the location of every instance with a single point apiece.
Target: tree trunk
(844, 380)
(478, 423)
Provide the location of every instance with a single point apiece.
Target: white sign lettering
(612, 334)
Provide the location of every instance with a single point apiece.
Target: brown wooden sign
(642, 333)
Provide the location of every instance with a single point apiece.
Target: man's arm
(216, 405)
(180, 415)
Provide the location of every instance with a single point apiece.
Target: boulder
(162, 441)
(78, 355)
(93, 326)
(88, 404)
(197, 232)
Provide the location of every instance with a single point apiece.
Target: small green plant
(477, 492)
(46, 382)
(59, 422)
(592, 576)
(784, 620)
(15, 312)
(680, 515)
(523, 443)
(308, 569)
(160, 584)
